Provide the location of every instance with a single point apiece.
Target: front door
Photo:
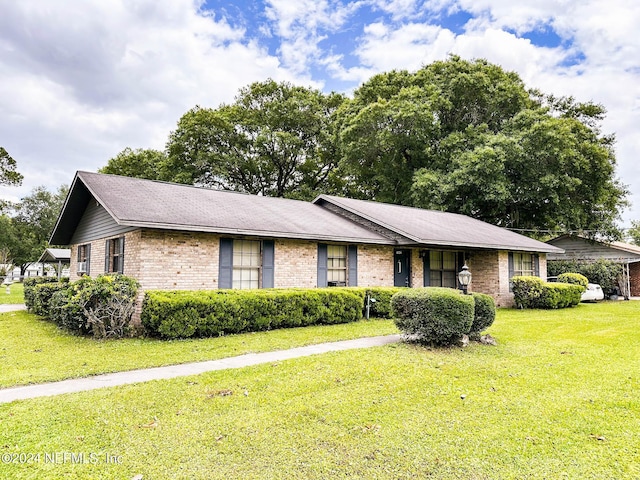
(402, 268)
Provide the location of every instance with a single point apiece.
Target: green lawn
(16, 294)
(35, 351)
(557, 398)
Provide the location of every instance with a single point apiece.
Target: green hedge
(574, 279)
(434, 315)
(102, 306)
(40, 296)
(381, 308)
(533, 292)
(484, 312)
(605, 273)
(183, 314)
(30, 289)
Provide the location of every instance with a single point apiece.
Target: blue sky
(83, 79)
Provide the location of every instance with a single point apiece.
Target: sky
(80, 80)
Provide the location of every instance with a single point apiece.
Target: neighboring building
(586, 250)
(54, 261)
(171, 236)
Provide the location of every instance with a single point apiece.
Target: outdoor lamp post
(464, 277)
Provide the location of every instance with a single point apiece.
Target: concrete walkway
(173, 371)
(12, 307)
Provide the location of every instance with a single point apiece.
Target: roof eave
(257, 233)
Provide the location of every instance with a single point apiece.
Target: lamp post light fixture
(464, 277)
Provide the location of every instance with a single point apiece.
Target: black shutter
(426, 268)
(352, 258)
(225, 273)
(88, 257)
(322, 265)
(511, 271)
(268, 260)
(107, 263)
(121, 259)
(536, 265)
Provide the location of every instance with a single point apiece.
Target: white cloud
(84, 79)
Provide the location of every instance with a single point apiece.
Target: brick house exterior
(171, 236)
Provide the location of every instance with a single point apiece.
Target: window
(523, 264)
(336, 264)
(443, 269)
(246, 264)
(114, 255)
(84, 257)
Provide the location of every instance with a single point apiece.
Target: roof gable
(580, 247)
(133, 202)
(437, 228)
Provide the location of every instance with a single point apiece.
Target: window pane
(435, 260)
(449, 279)
(435, 278)
(449, 261)
(247, 260)
(337, 263)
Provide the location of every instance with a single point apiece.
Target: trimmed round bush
(434, 315)
(574, 279)
(484, 312)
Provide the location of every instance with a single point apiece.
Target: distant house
(171, 236)
(53, 260)
(586, 250)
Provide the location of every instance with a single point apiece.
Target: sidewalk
(12, 307)
(162, 373)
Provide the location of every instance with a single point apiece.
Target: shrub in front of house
(527, 291)
(574, 279)
(434, 315)
(380, 305)
(559, 295)
(30, 285)
(484, 313)
(102, 306)
(40, 295)
(183, 314)
(533, 292)
(605, 273)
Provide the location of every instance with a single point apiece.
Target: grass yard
(35, 351)
(15, 295)
(557, 398)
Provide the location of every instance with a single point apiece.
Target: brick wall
(296, 264)
(375, 266)
(167, 260)
(634, 277)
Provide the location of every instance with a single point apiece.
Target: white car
(593, 293)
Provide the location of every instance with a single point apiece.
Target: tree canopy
(456, 135)
(25, 235)
(8, 173)
(138, 163)
(275, 139)
(467, 137)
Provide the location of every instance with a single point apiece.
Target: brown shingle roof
(432, 227)
(145, 203)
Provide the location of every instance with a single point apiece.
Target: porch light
(464, 277)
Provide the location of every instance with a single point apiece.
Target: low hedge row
(442, 316)
(183, 314)
(533, 292)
